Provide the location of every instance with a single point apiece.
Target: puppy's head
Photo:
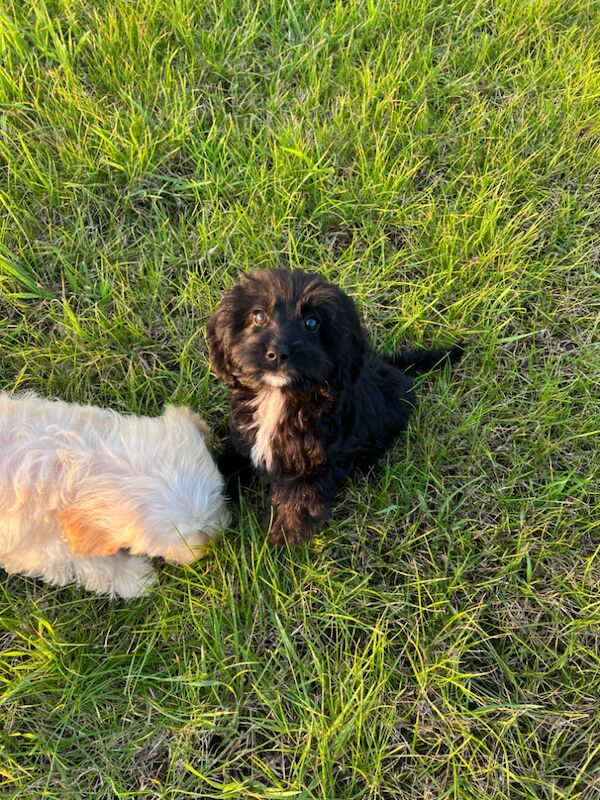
(286, 328)
(152, 486)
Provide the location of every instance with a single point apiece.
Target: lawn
(440, 638)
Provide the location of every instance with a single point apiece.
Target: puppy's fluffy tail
(424, 360)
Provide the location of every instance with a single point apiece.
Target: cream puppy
(88, 495)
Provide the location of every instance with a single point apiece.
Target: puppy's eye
(259, 317)
(311, 323)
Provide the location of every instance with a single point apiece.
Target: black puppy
(310, 400)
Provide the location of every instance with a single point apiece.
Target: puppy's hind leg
(119, 575)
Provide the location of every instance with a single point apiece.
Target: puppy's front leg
(301, 505)
(235, 468)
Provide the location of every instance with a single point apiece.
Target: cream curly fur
(88, 495)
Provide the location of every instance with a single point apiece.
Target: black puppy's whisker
(310, 400)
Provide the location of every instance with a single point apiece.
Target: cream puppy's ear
(85, 534)
(185, 412)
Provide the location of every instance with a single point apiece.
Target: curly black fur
(310, 400)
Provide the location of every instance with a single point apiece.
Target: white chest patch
(269, 409)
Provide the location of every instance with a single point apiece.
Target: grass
(439, 160)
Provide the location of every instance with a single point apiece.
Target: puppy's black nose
(279, 354)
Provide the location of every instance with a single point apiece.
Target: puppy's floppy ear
(219, 340)
(350, 340)
(85, 533)
(185, 412)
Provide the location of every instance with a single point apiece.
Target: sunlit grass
(439, 160)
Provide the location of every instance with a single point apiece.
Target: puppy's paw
(289, 530)
(121, 575)
(133, 577)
